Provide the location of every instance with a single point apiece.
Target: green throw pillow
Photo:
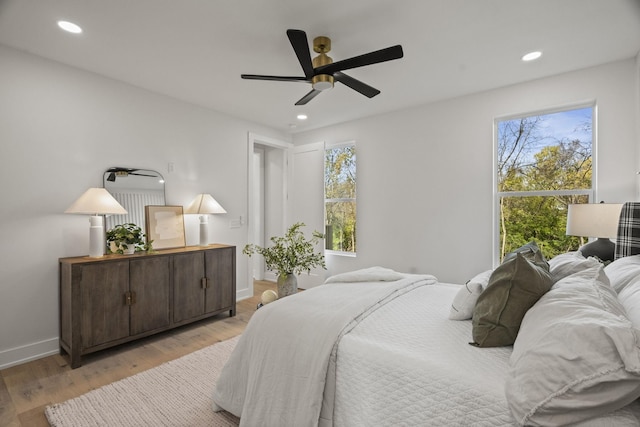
(514, 287)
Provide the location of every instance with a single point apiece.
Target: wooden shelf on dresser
(114, 299)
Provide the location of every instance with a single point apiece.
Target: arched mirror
(133, 189)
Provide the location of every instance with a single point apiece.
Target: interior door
(308, 200)
(268, 203)
(258, 211)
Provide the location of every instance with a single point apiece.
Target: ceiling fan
(321, 72)
(123, 173)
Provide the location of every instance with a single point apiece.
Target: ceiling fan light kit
(322, 72)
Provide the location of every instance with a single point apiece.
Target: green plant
(291, 253)
(124, 235)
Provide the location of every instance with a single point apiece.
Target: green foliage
(124, 235)
(528, 160)
(291, 253)
(340, 195)
(539, 218)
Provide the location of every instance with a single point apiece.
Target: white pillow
(563, 265)
(371, 274)
(623, 271)
(629, 297)
(465, 300)
(575, 356)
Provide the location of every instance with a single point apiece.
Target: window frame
(497, 195)
(330, 146)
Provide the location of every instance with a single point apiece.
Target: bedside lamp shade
(598, 220)
(96, 202)
(204, 204)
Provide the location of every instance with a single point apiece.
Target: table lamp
(599, 220)
(96, 202)
(204, 204)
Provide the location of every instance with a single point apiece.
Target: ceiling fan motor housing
(322, 45)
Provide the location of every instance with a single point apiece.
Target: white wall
(60, 129)
(425, 174)
(424, 184)
(637, 115)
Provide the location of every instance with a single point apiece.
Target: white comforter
(368, 353)
(277, 373)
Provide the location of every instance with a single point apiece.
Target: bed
(384, 348)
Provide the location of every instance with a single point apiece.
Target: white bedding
(400, 361)
(408, 364)
(410, 347)
(276, 375)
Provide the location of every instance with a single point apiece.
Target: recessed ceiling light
(70, 27)
(302, 117)
(531, 56)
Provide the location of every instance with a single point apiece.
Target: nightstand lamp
(96, 202)
(599, 220)
(203, 205)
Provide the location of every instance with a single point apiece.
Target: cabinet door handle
(129, 298)
(203, 283)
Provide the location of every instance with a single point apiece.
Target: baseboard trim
(27, 353)
(243, 294)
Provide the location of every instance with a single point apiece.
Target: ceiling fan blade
(382, 55)
(120, 169)
(300, 44)
(275, 78)
(308, 97)
(356, 85)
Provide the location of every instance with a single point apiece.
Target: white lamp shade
(204, 204)
(593, 220)
(96, 201)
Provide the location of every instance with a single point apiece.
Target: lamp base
(602, 248)
(204, 230)
(96, 237)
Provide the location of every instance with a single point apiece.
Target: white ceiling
(195, 50)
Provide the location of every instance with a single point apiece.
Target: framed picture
(165, 226)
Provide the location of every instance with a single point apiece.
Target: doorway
(268, 197)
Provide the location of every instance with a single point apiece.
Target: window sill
(340, 253)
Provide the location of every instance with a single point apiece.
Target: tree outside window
(340, 197)
(544, 163)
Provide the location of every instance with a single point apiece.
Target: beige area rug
(176, 393)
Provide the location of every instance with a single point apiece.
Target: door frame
(285, 149)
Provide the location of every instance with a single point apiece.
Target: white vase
(287, 285)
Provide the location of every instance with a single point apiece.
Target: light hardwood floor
(25, 390)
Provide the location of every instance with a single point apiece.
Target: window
(340, 197)
(544, 163)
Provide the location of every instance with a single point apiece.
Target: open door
(307, 196)
(267, 199)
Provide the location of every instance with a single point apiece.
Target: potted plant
(289, 255)
(127, 238)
